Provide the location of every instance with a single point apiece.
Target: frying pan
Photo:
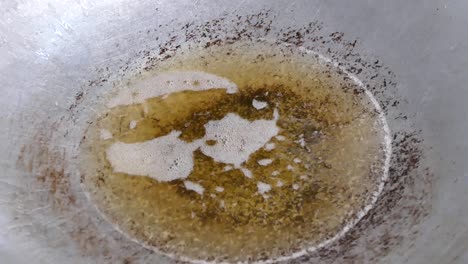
(59, 58)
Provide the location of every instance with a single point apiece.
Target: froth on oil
(243, 152)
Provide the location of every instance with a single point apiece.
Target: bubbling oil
(302, 187)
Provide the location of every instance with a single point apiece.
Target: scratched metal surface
(58, 57)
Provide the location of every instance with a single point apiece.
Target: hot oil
(325, 165)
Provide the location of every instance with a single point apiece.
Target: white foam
(280, 138)
(192, 186)
(105, 134)
(219, 189)
(164, 158)
(279, 183)
(263, 187)
(275, 173)
(290, 168)
(259, 104)
(295, 186)
(297, 160)
(228, 168)
(169, 82)
(270, 146)
(168, 158)
(237, 138)
(301, 142)
(132, 124)
(265, 162)
(247, 172)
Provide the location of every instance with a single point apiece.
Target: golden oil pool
(305, 184)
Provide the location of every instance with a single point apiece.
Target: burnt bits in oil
(309, 180)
